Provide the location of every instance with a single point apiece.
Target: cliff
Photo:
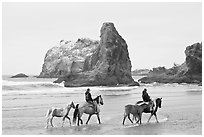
(188, 72)
(106, 63)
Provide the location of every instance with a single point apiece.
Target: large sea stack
(188, 72)
(108, 64)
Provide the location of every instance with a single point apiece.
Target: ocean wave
(122, 88)
(11, 85)
(118, 91)
(48, 88)
(194, 91)
(14, 108)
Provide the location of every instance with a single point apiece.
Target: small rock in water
(20, 75)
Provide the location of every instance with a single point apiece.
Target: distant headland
(188, 72)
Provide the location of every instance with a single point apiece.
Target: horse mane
(158, 98)
(96, 99)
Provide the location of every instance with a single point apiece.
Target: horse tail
(127, 110)
(76, 111)
(48, 112)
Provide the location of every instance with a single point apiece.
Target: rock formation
(107, 64)
(193, 61)
(189, 72)
(68, 57)
(20, 75)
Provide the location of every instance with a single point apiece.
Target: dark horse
(136, 111)
(89, 109)
(158, 102)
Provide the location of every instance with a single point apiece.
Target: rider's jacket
(88, 97)
(146, 97)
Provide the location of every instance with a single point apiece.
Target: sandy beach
(181, 112)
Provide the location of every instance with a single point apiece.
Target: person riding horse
(145, 96)
(89, 99)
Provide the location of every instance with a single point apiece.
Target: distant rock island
(140, 72)
(20, 75)
(188, 72)
(91, 63)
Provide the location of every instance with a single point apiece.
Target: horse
(156, 101)
(59, 112)
(136, 111)
(89, 109)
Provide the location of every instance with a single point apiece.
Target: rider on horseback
(145, 96)
(89, 99)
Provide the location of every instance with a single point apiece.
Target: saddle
(141, 102)
(89, 104)
(146, 110)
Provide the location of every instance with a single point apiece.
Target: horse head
(99, 100)
(158, 102)
(72, 105)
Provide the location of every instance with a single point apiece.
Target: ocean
(25, 102)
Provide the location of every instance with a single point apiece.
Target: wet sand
(181, 113)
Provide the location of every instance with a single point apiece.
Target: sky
(156, 33)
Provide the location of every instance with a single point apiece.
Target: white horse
(59, 112)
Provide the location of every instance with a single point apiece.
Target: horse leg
(99, 121)
(156, 117)
(47, 122)
(140, 118)
(69, 120)
(88, 118)
(48, 117)
(125, 115)
(81, 121)
(134, 118)
(150, 118)
(63, 119)
(129, 118)
(137, 120)
(78, 121)
(51, 121)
